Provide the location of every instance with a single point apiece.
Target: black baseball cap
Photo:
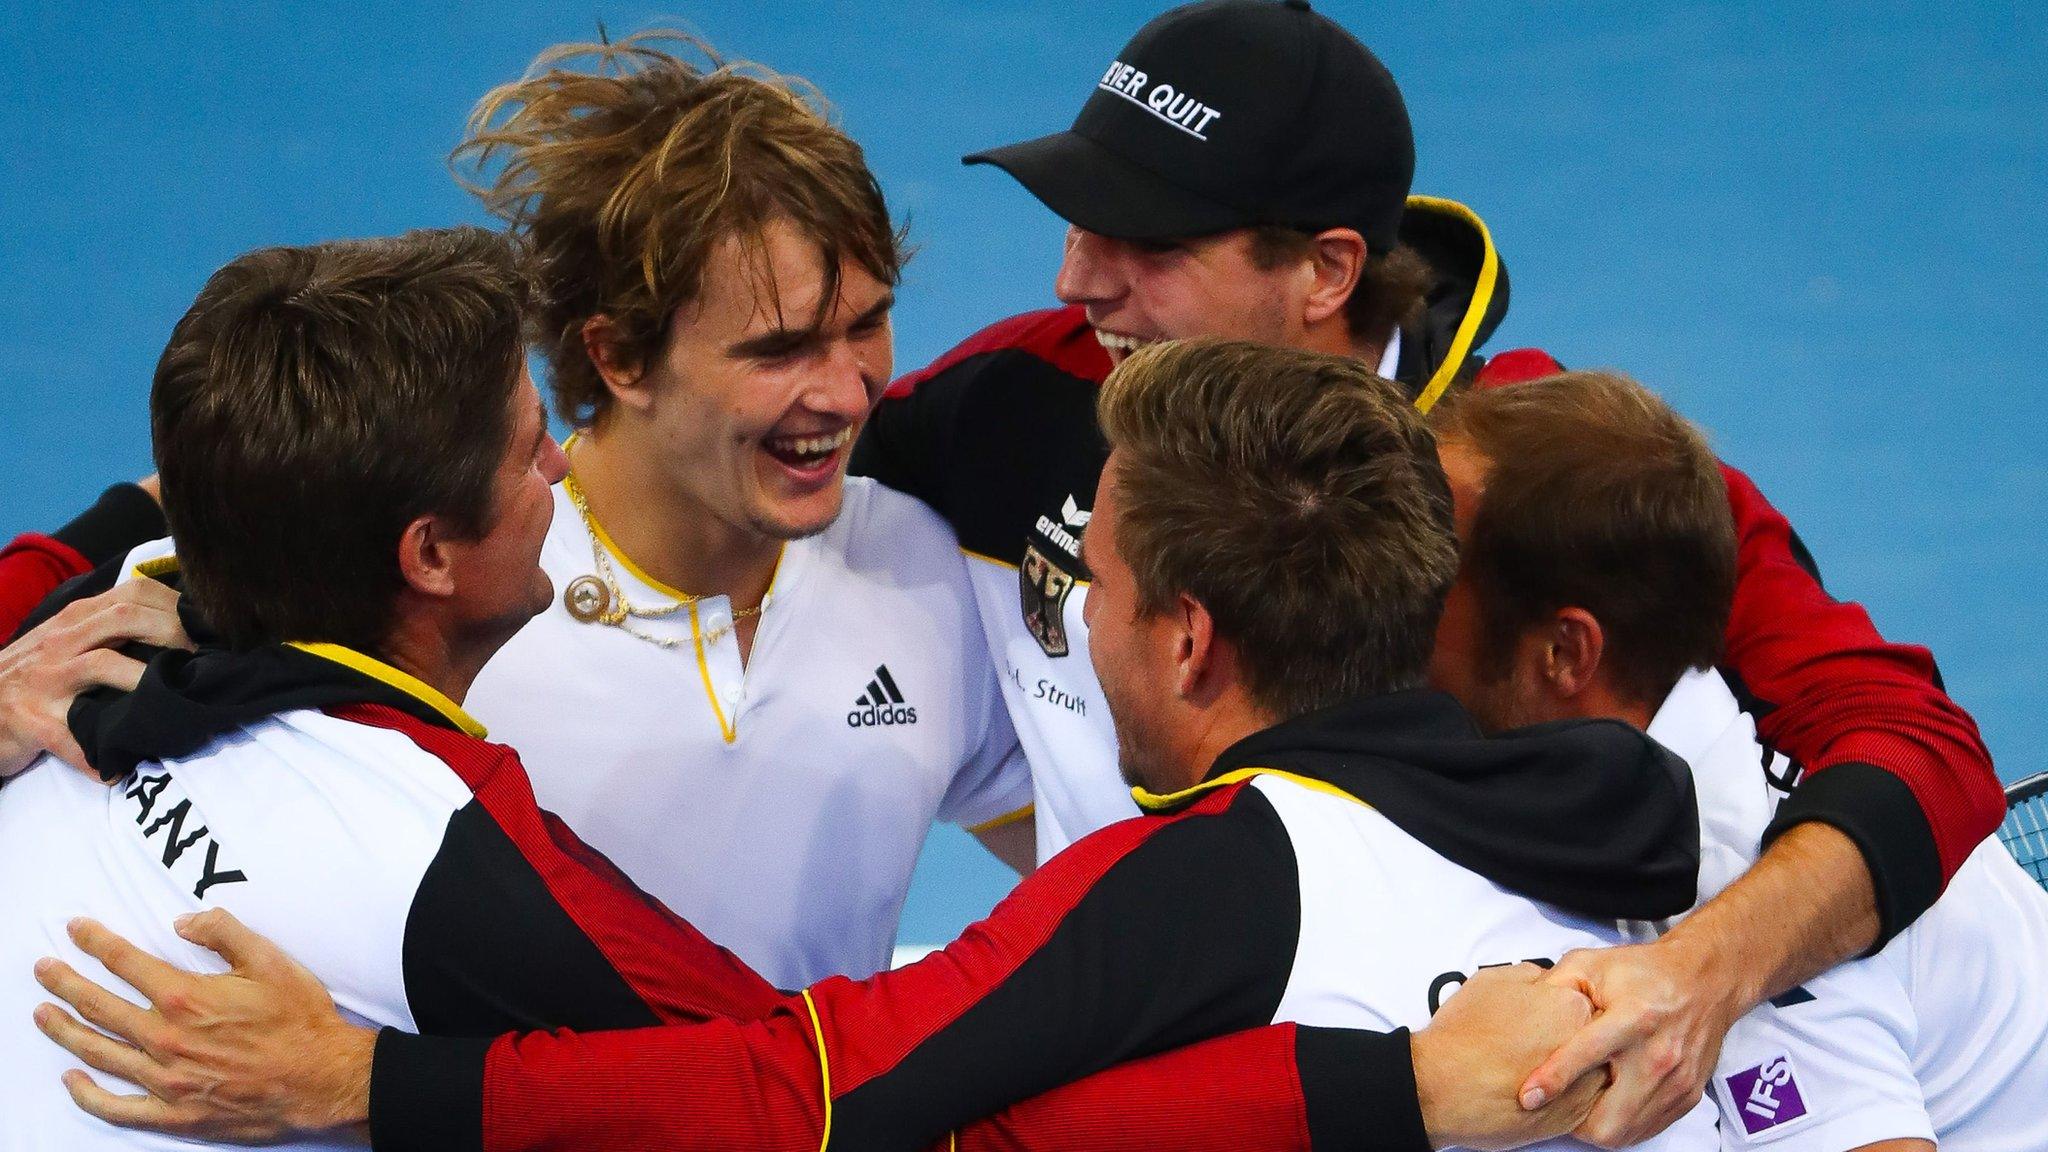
(1229, 114)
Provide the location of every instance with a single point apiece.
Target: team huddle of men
(1400, 749)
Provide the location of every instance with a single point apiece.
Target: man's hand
(73, 652)
(254, 1055)
(1471, 1060)
(1665, 1008)
(1663, 1015)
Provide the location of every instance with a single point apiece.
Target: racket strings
(2025, 829)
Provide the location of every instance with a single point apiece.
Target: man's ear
(1573, 645)
(1338, 260)
(620, 372)
(425, 559)
(1197, 650)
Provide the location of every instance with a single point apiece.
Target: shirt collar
(1390, 360)
(403, 681)
(1694, 715)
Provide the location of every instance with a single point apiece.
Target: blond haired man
(760, 682)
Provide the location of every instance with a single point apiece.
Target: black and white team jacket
(356, 817)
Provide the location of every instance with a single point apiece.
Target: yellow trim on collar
(405, 682)
(1482, 298)
(157, 567)
(604, 540)
(725, 727)
(1004, 821)
(1154, 802)
(824, 1069)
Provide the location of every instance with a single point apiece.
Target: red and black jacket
(1003, 427)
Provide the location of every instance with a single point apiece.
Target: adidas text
(883, 704)
(875, 716)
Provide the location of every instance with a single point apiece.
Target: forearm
(713, 1086)
(1912, 784)
(32, 567)
(1278, 1088)
(1062, 981)
(1804, 907)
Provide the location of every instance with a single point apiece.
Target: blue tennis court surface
(1814, 227)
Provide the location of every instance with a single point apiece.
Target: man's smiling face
(759, 394)
(1138, 292)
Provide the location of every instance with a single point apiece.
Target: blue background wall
(1814, 227)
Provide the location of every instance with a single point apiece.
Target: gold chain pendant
(599, 600)
(587, 598)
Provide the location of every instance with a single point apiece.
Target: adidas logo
(881, 704)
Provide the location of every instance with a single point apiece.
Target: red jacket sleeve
(1889, 758)
(34, 565)
(31, 567)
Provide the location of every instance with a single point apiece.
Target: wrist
(342, 1101)
(1436, 1099)
(1711, 961)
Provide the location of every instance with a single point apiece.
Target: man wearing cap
(1241, 168)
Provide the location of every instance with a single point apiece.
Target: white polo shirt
(779, 804)
(1943, 1035)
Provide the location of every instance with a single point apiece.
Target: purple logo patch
(1766, 1095)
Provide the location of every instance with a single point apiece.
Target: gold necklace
(599, 599)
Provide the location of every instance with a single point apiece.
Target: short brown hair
(623, 178)
(1299, 498)
(312, 403)
(1598, 496)
(1391, 287)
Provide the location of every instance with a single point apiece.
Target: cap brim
(1089, 186)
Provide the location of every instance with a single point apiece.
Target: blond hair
(624, 165)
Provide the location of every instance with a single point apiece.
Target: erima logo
(882, 704)
(1161, 100)
(1075, 517)
(1767, 1095)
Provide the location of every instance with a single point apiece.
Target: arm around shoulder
(1832, 693)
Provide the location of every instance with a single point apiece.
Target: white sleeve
(1824, 1068)
(994, 786)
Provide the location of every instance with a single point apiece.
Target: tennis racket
(2025, 831)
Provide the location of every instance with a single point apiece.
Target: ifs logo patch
(1766, 1096)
